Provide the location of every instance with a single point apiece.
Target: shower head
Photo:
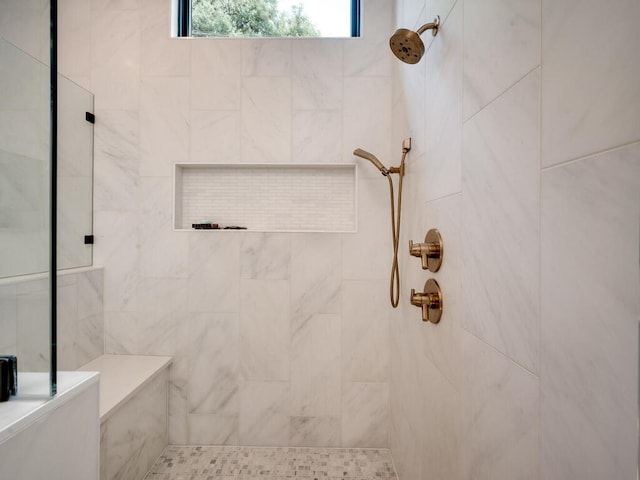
(407, 44)
(358, 152)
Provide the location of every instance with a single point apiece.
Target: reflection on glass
(25, 301)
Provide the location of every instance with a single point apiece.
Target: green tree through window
(252, 18)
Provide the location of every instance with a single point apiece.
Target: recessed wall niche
(267, 197)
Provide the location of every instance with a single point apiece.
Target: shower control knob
(430, 251)
(430, 300)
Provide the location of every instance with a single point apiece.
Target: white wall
(526, 121)
(277, 338)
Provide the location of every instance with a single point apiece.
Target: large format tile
(213, 283)
(589, 347)
(216, 73)
(317, 74)
(264, 330)
(441, 168)
(264, 414)
(499, 432)
(315, 274)
(115, 58)
(441, 343)
(500, 223)
(365, 415)
(502, 44)
(365, 332)
(266, 57)
(590, 81)
(265, 128)
(315, 365)
(213, 363)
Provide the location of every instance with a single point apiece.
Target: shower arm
(430, 26)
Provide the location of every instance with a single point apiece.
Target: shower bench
(133, 413)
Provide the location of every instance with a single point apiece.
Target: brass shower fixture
(407, 44)
(394, 284)
(430, 300)
(430, 251)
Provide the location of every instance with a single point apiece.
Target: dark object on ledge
(205, 226)
(13, 372)
(4, 380)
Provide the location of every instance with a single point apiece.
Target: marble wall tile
(265, 130)
(116, 245)
(33, 339)
(214, 341)
(74, 47)
(90, 286)
(439, 431)
(213, 429)
(216, 73)
(155, 233)
(160, 54)
(411, 121)
(365, 418)
(499, 432)
(315, 274)
(89, 338)
(315, 365)
(164, 124)
(265, 256)
(8, 319)
(441, 344)
(500, 204)
(589, 344)
(317, 74)
(213, 284)
(267, 57)
(502, 45)
(365, 331)
(264, 414)
(162, 303)
(368, 55)
(367, 119)
(311, 146)
(179, 385)
(367, 254)
(441, 168)
(26, 25)
(115, 58)
(264, 330)
(120, 332)
(215, 136)
(67, 321)
(315, 432)
(116, 160)
(590, 83)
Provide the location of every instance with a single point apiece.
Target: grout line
(504, 92)
(502, 354)
(591, 155)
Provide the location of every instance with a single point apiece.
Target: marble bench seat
(133, 413)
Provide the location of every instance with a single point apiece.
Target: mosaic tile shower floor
(248, 463)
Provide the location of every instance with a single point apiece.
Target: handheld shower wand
(394, 283)
(358, 152)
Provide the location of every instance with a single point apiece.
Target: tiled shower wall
(277, 338)
(525, 118)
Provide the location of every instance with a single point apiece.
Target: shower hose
(394, 282)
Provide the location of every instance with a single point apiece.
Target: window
(268, 18)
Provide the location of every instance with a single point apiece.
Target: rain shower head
(358, 152)
(407, 44)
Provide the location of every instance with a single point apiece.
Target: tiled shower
(525, 123)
